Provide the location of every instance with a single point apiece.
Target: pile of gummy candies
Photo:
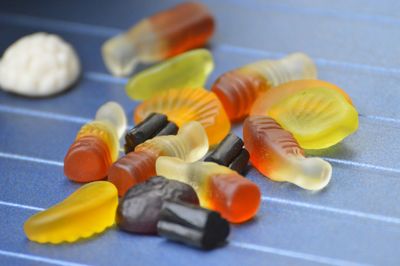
(169, 182)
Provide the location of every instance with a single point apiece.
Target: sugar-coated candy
(230, 152)
(218, 187)
(318, 115)
(188, 70)
(39, 65)
(154, 125)
(176, 30)
(184, 105)
(190, 144)
(239, 88)
(139, 209)
(96, 145)
(277, 155)
(89, 210)
(192, 225)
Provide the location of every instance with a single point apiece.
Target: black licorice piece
(240, 162)
(230, 152)
(170, 129)
(138, 211)
(145, 130)
(192, 225)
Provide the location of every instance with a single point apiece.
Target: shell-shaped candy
(89, 210)
(189, 70)
(184, 105)
(317, 114)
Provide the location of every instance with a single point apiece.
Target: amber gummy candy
(218, 187)
(239, 88)
(96, 145)
(277, 155)
(190, 144)
(184, 105)
(186, 26)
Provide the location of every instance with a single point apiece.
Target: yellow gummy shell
(188, 70)
(89, 210)
(317, 117)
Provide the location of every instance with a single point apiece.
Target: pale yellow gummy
(188, 70)
(195, 174)
(113, 113)
(89, 210)
(190, 144)
(318, 118)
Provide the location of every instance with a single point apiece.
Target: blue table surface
(354, 221)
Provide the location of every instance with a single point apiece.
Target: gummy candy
(218, 187)
(239, 88)
(165, 34)
(139, 209)
(318, 117)
(190, 144)
(188, 70)
(277, 155)
(184, 105)
(96, 145)
(154, 125)
(269, 98)
(192, 225)
(89, 210)
(230, 153)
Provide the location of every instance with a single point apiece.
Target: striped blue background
(355, 221)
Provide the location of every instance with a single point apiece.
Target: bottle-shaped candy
(184, 105)
(190, 144)
(317, 113)
(188, 70)
(96, 145)
(89, 210)
(218, 187)
(239, 88)
(165, 34)
(277, 155)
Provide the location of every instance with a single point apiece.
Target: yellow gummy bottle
(317, 117)
(89, 210)
(189, 70)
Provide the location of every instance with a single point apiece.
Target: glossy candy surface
(188, 70)
(96, 145)
(139, 209)
(230, 153)
(218, 187)
(277, 155)
(186, 26)
(190, 144)
(184, 105)
(89, 210)
(239, 88)
(154, 125)
(317, 113)
(192, 225)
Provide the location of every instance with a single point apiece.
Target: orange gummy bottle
(277, 155)
(96, 145)
(239, 88)
(165, 34)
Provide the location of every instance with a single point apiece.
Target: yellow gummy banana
(189, 70)
(89, 210)
(317, 117)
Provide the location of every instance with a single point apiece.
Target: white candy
(39, 64)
